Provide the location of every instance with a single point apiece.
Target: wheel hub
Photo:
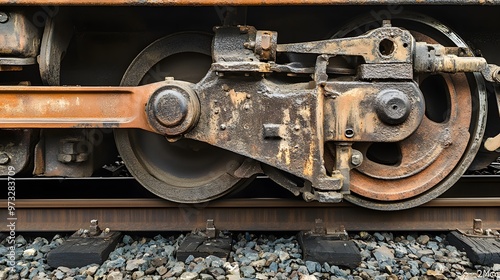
(174, 109)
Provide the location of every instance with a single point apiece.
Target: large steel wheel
(420, 168)
(185, 171)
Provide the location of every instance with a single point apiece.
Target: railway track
(249, 214)
(456, 209)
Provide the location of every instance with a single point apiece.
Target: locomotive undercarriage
(387, 119)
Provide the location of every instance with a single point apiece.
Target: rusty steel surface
(19, 38)
(432, 157)
(244, 2)
(75, 107)
(248, 214)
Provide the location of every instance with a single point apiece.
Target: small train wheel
(185, 171)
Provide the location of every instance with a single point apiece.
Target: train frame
(387, 111)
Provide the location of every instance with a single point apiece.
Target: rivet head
(223, 127)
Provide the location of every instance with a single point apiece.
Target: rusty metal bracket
(491, 73)
(478, 231)
(372, 112)
(55, 40)
(493, 143)
(333, 234)
(382, 45)
(16, 148)
(343, 155)
(94, 231)
(432, 58)
(19, 39)
(73, 152)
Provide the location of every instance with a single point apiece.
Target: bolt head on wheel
(393, 106)
(173, 109)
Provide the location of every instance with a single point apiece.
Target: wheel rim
(413, 171)
(185, 171)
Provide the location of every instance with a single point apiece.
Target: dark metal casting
(293, 127)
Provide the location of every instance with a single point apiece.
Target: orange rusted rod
(75, 107)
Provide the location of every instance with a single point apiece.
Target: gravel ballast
(384, 256)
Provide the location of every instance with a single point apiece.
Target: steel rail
(248, 215)
(242, 2)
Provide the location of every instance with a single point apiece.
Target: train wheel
(185, 171)
(418, 169)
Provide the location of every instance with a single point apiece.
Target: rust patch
(73, 107)
(237, 97)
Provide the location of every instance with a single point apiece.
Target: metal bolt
(4, 17)
(246, 106)
(64, 158)
(169, 78)
(216, 111)
(477, 226)
(249, 96)
(223, 127)
(210, 228)
(296, 127)
(94, 227)
(249, 45)
(265, 41)
(356, 158)
(4, 158)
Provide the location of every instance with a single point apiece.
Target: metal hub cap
(392, 106)
(174, 109)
